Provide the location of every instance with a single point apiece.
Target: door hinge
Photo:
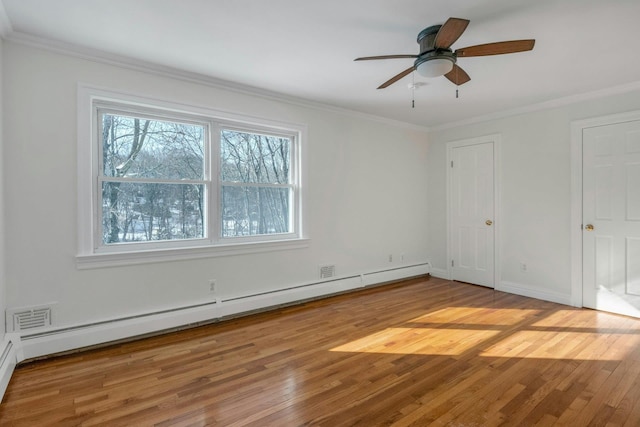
(451, 163)
(451, 263)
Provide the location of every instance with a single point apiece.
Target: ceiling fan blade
(368, 58)
(395, 78)
(457, 76)
(497, 48)
(450, 32)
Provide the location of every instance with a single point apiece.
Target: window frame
(92, 252)
(143, 113)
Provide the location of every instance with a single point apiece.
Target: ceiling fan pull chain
(413, 90)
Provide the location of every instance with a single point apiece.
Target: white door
(472, 213)
(611, 218)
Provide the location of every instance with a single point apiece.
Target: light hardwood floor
(417, 353)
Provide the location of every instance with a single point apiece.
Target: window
(167, 183)
(152, 181)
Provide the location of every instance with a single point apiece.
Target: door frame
(496, 140)
(577, 128)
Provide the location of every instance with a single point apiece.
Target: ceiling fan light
(435, 67)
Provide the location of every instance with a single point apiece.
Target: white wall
(3, 303)
(366, 195)
(536, 193)
(7, 345)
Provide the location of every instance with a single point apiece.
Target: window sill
(115, 259)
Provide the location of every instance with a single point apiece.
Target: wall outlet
(212, 285)
(390, 257)
(523, 266)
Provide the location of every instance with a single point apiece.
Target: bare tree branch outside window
(145, 163)
(256, 184)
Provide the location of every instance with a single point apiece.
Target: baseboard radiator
(52, 340)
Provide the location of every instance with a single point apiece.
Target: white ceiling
(305, 49)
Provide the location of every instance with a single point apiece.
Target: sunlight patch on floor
(489, 333)
(562, 345)
(477, 316)
(427, 341)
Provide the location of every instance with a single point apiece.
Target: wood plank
(415, 353)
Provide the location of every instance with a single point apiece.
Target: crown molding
(7, 33)
(5, 23)
(546, 105)
(191, 77)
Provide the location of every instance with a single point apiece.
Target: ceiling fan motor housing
(427, 38)
(428, 51)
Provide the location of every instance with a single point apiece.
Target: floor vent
(327, 271)
(31, 319)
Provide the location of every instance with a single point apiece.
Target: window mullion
(215, 202)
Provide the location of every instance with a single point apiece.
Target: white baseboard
(55, 340)
(528, 291)
(8, 360)
(244, 304)
(440, 273)
(391, 275)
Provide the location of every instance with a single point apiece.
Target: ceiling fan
(437, 59)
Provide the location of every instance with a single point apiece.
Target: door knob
(589, 227)
(488, 222)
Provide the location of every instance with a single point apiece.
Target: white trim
(191, 77)
(528, 291)
(55, 340)
(577, 128)
(5, 23)
(496, 140)
(575, 232)
(115, 259)
(164, 71)
(540, 106)
(8, 359)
